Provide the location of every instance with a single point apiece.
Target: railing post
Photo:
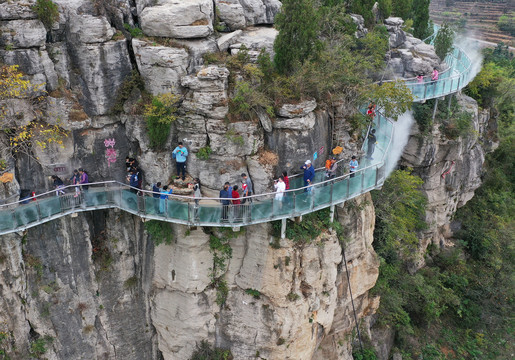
(377, 175)
(348, 186)
(14, 219)
(38, 210)
(312, 194)
(294, 196)
(331, 192)
(362, 180)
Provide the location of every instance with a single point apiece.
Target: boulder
(89, 29)
(160, 66)
(231, 13)
(361, 30)
(300, 123)
(22, 34)
(297, 110)
(208, 92)
(181, 19)
(196, 49)
(260, 11)
(255, 39)
(264, 119)
(227, 40)
(397, 38)
(14, 11)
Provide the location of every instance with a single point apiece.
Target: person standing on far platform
(180, 154)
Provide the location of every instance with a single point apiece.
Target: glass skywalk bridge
(298, 201)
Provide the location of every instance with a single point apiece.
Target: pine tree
(420, 18)
(297, 40)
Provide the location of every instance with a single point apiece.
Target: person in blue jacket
(165, 192)
(134, 181)
(180, 154)
(309, 173)
(225, 194)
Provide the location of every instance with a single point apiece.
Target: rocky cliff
(94, 286)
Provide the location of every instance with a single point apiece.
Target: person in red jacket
(286, 180)
(236, 202)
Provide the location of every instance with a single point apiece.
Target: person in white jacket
(280, 188)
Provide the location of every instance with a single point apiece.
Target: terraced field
(479, 17)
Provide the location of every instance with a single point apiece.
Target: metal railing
(299, 200)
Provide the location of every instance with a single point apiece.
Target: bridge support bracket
(331, 217)
(298, 219)
(283, 228)
(235, 228)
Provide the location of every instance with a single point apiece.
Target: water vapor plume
(401, 134)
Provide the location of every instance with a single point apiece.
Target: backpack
(174, 155)
(328, 164)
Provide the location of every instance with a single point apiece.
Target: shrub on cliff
(159, 115)
(47, 11)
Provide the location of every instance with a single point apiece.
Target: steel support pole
(283, 228)
(434, 109)
(331, 217)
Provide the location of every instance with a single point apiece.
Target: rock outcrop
(451, 169)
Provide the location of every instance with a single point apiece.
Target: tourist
(75, 180)
(58, 184)
(156, 189)
(331, 171)
(420, 78)
(372, 141)
(371, 111)
(280, 188)
(224, 196)
(84, 179)
(180, 154)
(247, 188)
(286, 180)
(162, 198)
(236, 202)
(434, 75)
(134, 181)
(353, 166)
(309, 173)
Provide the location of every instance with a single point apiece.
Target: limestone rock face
(231, 13)
(63, 288)
(103, 67)
(451, 169)
(181, 19)
(409, 56)
(255, 39)
(22, 33)
(90, 29)
(300, 138)
(161, 67)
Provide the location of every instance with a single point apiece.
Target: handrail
(206, 211)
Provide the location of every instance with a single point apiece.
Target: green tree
(363, 8)
(420, 11)
(402, 8)
(393, 97)
(297, 40)
(444, 40)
